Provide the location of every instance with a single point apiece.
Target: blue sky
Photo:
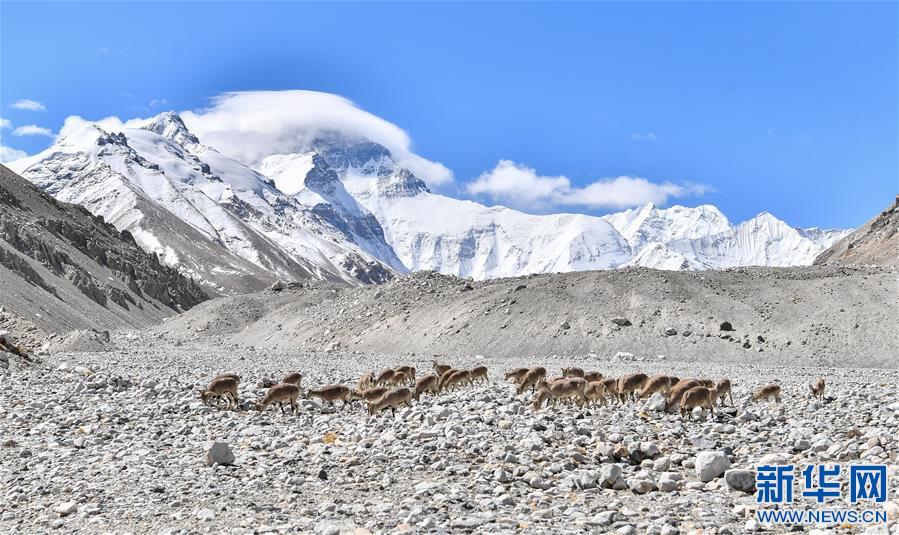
(786, 108)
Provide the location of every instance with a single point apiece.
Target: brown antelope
(293, 378)
(592, 376)
(678, 391)
(399, 378)
(698, 396)
(409, 371)
(444, 376)
(221, 387)
(371, 394)
(723, 388)
(596, 393)
(767, 392)
(391, 400)
(533, 378)
(332, 393)
(227, 374)
(456, 379)
(611, 384)
(572, 372)
(818, 388)
(516, 374)
(656, 383)
(279, 394)
(708, 383)
(629, 384)
(365, 382)
(479, 373)
(428, 383)
(385, 377)
(568, 387)
(440, 368)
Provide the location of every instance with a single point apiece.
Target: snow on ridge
(345, 209)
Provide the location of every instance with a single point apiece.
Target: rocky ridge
(62, 267)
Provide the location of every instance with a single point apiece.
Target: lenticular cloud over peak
(251, 125)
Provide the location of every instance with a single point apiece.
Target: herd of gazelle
(393, 387)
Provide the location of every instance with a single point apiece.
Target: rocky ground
(117, 442)
(815, 316)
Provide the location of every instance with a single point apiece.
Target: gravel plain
(117, 442)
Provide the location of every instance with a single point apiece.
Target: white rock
(66, 508)
(711, 464)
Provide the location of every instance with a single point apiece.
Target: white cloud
(521, 186)
(254, 124)
(649, 136)
(32, 130)
(158, 102)
(9, 154)
(5, 123)
(27, 104)
(73, 123)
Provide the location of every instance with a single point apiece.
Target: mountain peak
(169, 124)
(401, 183)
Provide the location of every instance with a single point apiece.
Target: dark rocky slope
(874, 243)
(62, 268)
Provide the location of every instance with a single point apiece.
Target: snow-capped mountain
(343, 208)
(464, 238)
(702, 238)
(211, 216)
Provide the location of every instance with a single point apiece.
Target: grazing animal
(572, 372)
(818, 388)
(708, 383)
(222, 387)
(516, 374)
(656, 383)
(371, 394)
(767, 392)
(409, 372)
(279, 394)
(444, 376)
(678, 391)
(429, 383)
(611, 384)
(227, 374)
(293, 378)
(479, 373)
(723, 388)
(592, 376)
(533, 378)
(630, 384)
(455, 379)
(698, 396)
(391, 400)
(332, 393)
(385, 377)
(366, 381)
(566, 388)
(596, 393)
(399, 378)
(440, 368)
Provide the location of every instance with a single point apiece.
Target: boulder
(219, 453)
(711, 464)
(740, 480)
